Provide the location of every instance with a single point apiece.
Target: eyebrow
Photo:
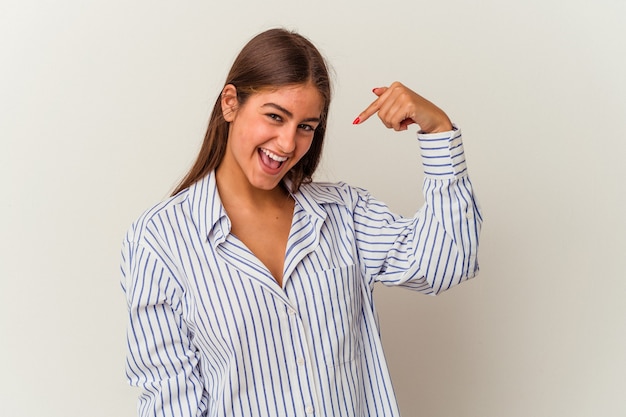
(290, 114)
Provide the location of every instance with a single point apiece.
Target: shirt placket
(302, 362)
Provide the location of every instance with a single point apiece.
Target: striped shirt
(211, 333)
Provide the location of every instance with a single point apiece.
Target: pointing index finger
(372, 108)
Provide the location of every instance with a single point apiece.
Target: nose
(286, 141)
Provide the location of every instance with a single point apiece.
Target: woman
(250, 289)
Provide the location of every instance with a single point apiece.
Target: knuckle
(397, 85)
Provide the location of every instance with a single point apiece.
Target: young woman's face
(270, 133)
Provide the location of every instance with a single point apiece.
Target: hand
(398, 107)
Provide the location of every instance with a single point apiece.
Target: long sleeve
(437, 248)
(161, 358)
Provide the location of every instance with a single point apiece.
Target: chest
(266, 236)
(226, 281)
(235, 310)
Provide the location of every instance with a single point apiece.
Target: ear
(229, 102)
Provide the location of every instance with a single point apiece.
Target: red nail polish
(356, 121)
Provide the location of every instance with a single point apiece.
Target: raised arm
(437, 248)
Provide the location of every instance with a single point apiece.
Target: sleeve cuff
(443, 156)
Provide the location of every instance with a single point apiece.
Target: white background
(103, 105)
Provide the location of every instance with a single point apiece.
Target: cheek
(246, 138)
(304, 146)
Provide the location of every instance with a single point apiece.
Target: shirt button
(291, 312)
(309, 409)
(300, 361)
(469, 215)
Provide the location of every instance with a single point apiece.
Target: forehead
(295, 98)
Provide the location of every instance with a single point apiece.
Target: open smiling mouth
(270, 159)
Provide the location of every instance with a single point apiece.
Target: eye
(306, 128)
(275, 117)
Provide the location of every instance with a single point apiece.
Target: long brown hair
(272, 59)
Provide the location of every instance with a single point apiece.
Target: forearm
(451, 201)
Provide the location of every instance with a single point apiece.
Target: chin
(264, 181)
(266, 185)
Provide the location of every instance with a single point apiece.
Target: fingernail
(374, 89)
(356, 121)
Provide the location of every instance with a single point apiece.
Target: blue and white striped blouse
(211, 333)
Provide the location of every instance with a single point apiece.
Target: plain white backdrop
(103, 105)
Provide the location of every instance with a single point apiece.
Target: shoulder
(155, 215)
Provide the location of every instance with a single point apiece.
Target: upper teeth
(273, 156)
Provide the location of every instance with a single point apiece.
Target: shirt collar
(207, 210)
(313, 196)
(208, 213)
